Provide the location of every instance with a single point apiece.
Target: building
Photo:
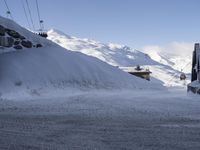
(137, 71)
(194, 86)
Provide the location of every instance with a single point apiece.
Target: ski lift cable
(8, 10)
(168, 83)
(38, 12)
(186, 65)
(26, 14)
(177, 73)
(29, 11)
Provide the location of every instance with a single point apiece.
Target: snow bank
(53, 67)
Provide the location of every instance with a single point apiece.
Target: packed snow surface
(165, 71)
(102, 120)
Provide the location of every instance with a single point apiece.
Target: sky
(136, 23)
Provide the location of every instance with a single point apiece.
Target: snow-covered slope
(114, 54)
(120, 55)
(52, 66)
(178, 62)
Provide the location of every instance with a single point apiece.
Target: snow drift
(52, 66)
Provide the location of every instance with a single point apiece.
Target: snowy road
(117, 120)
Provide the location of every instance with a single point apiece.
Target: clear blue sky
(132, 22)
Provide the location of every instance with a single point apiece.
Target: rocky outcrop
(38, 45)
(22, 37)
(13, 33)
(2, 31)
(6, 41)
(16, 42)
(10, 38)
(18, 47)
(27, 44)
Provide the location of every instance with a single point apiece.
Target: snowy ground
(102, 120)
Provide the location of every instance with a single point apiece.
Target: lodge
(138, 71)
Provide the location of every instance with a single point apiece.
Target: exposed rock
(18, 47)
(13, 33)
(27, 44)
(6, 41)
(22, 37)
(39, 45)
(16, 42)
(2, 31)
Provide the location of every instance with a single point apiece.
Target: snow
(114, 54)
(176, 61)
(164, 71)
(195, 84)
(110, 120)
(54, 98)
(39, 70)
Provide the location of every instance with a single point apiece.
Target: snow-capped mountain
(34, 69)
(114, 54)
(123, 56)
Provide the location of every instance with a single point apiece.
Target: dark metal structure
(195, 63)
(43, 34)
(183, 76)
(194, 86)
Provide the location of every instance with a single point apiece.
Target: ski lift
(41, 21)
(183, 76)
(8, 12)
(41, 32)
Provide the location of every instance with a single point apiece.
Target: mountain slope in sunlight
(123, 56)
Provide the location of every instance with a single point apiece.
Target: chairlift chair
(183, 76)
(42, 33)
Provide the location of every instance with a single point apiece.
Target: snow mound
(52, 67)
(162, 67)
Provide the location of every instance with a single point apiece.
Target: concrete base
(194, 87)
